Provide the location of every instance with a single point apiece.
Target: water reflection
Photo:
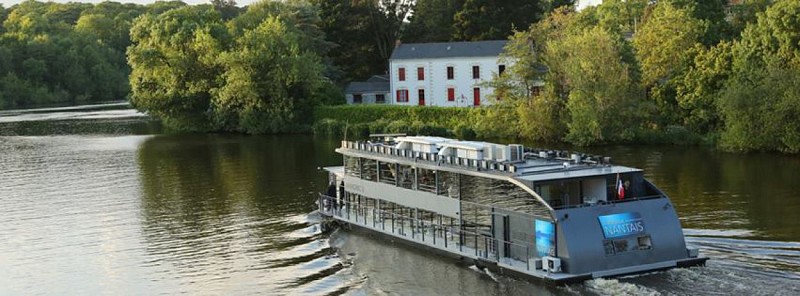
(219, 204)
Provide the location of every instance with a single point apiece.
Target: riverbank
(486, 123)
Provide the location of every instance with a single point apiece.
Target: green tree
(665, 44)
(268, 81)
(699, 87)
(761, 100)
(364, 34)
(160, 7)
(174, 64)
(494, 20)
(745, 13)
(620, 16)
(603, 100)
(431, 21)
(226, 8)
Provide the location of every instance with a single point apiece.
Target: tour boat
(553, 215)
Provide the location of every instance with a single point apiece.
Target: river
(97, 200)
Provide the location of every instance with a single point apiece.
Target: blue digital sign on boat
(622, 224)
(545, 236)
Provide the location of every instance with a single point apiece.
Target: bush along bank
(486, 123)
(358, 121)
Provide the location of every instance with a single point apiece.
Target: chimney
(397, 43)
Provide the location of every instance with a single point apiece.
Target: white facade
(435, 84)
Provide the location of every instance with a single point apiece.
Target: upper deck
(486, 159)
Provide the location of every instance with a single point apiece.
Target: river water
(98, 201)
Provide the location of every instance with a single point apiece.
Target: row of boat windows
(471, 230)
(482, 191)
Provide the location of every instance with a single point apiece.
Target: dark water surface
(95, 201)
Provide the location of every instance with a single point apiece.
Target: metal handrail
(418, 228)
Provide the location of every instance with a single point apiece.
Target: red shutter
(451, 94)
(476, 96)
(401, 74)
(397, 97)
(421, 96)
(420, 73)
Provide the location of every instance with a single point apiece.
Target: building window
(357, 99)
(451, 94)
(421, 96)
(501, 69)
(476, 72)
(476, 96)
(420, 73)
(401, 74)
(450, 73)
(402, 95)
(380, 99)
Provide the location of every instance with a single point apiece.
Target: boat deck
(439, 237)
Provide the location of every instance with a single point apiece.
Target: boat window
(406, 176)
(561, 193)
(426, 180)
(448, 184)
(500, 193)
(369, 169)
(387, 172)
(352, 166)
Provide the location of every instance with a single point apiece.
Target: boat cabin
(529, 210)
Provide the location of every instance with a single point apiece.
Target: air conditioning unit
(516, 152)
(551, 264)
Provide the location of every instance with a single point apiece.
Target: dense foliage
(680, 71)
(254, 73)
(636, 71)
(53, 53)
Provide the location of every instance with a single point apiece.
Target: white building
(444, 74)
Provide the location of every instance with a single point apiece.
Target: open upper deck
(487, 159)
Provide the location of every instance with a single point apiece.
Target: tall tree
(364, 33)
(698, 89)
(665, 46)
(603, 100)
(495, 19)
(762, 99)
(431, 21)
(174, 64)
(268, 80)
(226, 8)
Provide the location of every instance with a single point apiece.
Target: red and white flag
(620, 189)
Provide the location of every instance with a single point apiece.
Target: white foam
(615, 287)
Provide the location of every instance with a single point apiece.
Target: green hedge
(361, 120)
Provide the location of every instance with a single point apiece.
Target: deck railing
(614, 201)
(475, 164)
(444, 236)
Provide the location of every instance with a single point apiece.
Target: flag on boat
(620, 189)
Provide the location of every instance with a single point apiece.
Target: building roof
(367, 87)
(379, 78)
(448, 50)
